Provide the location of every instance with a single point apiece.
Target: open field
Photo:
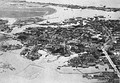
(43, 72)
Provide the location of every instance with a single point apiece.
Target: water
(108, 3)
(62, 14)
(12, 12)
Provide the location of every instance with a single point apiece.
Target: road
(111, 40)
(111, 62)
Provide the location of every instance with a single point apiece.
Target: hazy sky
(110, 3)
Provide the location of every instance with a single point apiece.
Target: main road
(111, 62)
(105, 47)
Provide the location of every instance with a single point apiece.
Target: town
(84, 36)
(94, 40)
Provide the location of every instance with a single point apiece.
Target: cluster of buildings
(22, 22)
(84, 36)
(8, 47)
(3, 25)
(31, 53)
(105, 76)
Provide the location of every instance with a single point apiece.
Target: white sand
(62, 14)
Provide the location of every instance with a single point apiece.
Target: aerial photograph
(59, 41)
